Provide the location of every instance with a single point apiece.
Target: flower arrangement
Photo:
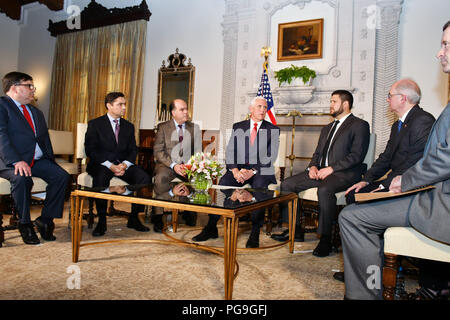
(201, 169)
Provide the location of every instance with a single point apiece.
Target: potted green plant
(289, 73)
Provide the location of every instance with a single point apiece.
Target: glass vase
(200, 182)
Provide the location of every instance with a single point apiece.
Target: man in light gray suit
(362, 226)
(176, 141)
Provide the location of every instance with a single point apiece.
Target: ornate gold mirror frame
(176, 81)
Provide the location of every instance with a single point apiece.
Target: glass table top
(225, 197)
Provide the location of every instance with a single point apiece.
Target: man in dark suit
(176, 141)
(250, 154)
(362, 225)
(26, 151)
(336, 164)
(406, 142)
(110, 145)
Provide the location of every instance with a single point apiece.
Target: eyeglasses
(30, 86)
(394, 94)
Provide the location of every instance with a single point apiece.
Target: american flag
(264, 91)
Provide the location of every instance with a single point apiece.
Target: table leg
(230, 244)
(77, 221)
(292, 219)
(174, 220)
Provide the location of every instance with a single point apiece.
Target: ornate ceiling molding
(95, 15)
(13, 9)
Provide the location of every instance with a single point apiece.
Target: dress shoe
(100, 229)
(190, 219)
(207, 233)
(28, 234)
(136, 224)
(324, 247)
(45, 229)
(339, 276)
(284, 236)
(253, 240)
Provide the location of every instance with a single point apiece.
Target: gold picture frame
(300, 40)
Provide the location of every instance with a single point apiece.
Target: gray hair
(257, 98)
(410, 89)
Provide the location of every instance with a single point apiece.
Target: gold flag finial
(266, 52)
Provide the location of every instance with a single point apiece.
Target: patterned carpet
(160, 272)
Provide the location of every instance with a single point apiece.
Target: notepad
(363, 197)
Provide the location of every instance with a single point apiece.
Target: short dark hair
(344, 95)
(13, 78)
(171, 106)
(110, 97)
(446, 25)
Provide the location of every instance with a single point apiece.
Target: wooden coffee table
(230, 213)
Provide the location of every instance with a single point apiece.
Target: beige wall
(9, 35)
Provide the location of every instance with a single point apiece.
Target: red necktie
(254, 133)
(30, 122)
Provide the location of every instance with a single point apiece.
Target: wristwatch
(254, 171)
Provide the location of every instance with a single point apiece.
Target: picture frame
(300, 40)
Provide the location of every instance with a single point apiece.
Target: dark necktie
(180, 139)
(116, 130)
(30, 122)
(327, 144)
(400, 123)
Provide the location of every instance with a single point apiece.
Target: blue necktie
(399, 125)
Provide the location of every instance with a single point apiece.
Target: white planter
(294, 95)
(297, 82)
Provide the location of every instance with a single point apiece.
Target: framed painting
(300, 40)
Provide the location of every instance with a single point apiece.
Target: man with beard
(336, 164)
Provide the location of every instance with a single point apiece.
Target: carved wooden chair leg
(2, 232)
(268, 220)
(90, 217)
(389, 275)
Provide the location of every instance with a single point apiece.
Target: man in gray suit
(363, 225)
(176, 141)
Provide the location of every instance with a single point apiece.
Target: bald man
(406, 142)
(176, 141)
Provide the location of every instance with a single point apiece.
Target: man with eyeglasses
(26, 151)
(362, 225)
(406, 141)
(405, 146)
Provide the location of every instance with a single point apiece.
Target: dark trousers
(257, 182)
(350, 197)
(326, 190)
(133, 175)
(56, 179)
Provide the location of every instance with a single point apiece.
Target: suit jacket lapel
(341, 129)
(189, 126)
(19, 114)
(108, 128)
(404, 128)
